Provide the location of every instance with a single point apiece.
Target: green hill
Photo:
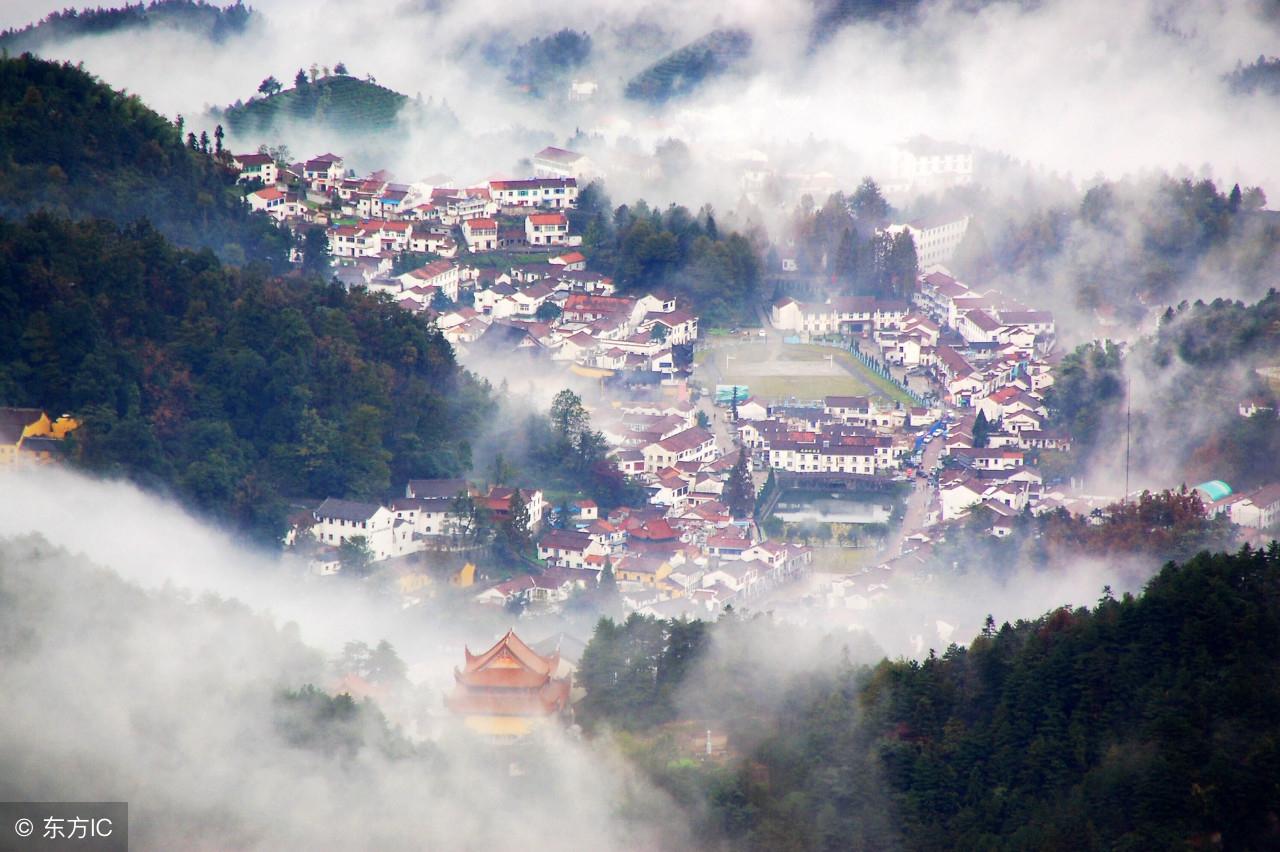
(339, 102)
(683, 70)
(216, 23)
(73, 146)
(226, 387)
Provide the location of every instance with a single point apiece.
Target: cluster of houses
(682, 553)
(986, 355)
(552, 307)
(561, 315)
(666, 562)
(992, 358)
(839, 435)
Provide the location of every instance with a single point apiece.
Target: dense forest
(1203, 359)
(72, 146)
(680, 252)
(210, 20)
(1148, 722)
(232, 388)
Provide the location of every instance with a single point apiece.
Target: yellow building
(464, 577)
(647, 570)
(27, 433)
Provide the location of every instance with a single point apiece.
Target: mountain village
(974, 363)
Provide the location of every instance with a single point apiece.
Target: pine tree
(981, 429)
(740, 491)
(608, 584)
(516, 530)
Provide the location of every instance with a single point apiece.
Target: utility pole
(1128, 411)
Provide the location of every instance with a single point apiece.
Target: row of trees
(271, 86)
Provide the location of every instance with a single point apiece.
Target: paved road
(918, 500)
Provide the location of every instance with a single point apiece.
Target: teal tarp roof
(1215, 489)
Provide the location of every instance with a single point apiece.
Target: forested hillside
(213, 21)
(232, 388)
(1127, 244)
(71, 145)
(1150, 722)
(1205, 356)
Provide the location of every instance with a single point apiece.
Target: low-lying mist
(126, 679)
(1078, 88)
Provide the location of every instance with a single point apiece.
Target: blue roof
(1215, 489)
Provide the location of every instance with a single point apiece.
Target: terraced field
(681, 71)
(346, 103)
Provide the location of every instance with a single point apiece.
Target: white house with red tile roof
(546, 229)
(268, 200)
(570, 261)
(481, 234)
(440, 274)
(322, 173)
(256, 167)
(353, 241)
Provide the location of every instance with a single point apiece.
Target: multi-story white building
(936, 238)
(928, 164)
(323, 173)
(268, 200)
(256, 167)
(481, 234)
(559, 192)
(353, 241)
(440, 273)
(845, 315)
(696, 444)
(867, 456)
(546, 229)
(337, 521)
(553, 162)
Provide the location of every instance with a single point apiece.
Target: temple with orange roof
(509, 690)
